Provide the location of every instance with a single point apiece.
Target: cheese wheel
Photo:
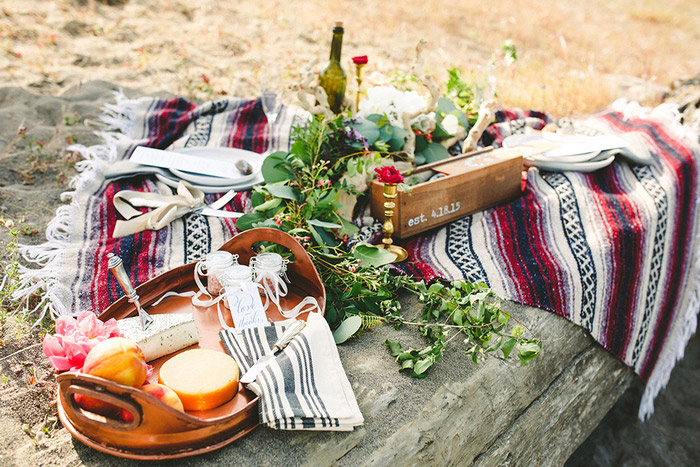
(202, 378)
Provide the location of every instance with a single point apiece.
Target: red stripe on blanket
(626, 231)
(248, 128)
(416, 262)
(683, 164)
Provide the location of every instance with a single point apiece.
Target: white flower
(450, 124)
(425, 123)
(390, 101)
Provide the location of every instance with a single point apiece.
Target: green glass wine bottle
(332, 78)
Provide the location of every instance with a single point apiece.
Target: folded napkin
(167, 208)
(305, 386)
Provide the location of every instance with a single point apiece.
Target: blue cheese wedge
(167, 334)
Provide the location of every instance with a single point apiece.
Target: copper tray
(159, 431)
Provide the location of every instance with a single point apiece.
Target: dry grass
(567, 51)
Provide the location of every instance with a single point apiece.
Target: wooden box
(471, 183)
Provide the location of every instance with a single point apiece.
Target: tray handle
(77, 412)
(302, 264)
(151, 415)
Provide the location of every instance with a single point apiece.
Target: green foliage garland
(300, 197)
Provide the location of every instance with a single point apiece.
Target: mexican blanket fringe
(614, 251)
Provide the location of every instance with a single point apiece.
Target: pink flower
(389, 175)
(74, 338)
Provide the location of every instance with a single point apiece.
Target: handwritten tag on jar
(246, 306)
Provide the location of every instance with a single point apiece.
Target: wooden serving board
(159, 431)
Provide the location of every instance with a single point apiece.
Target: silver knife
(214, 209)
(219, 213)
(223, 201)
(278, 346)
(116, 265)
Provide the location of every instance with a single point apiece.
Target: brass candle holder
(359, 85)
(390, 194)
(360, 62)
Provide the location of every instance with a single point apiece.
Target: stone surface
(671, 437)
(635, 89)
(563, 413)
(686, 94)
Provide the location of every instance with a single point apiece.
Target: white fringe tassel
(49, 257)
(685, 324)
(683, 328)
(119, 125)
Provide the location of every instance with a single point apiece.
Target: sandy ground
(31, 181)
(571, 60)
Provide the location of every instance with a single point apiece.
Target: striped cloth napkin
(305, 386)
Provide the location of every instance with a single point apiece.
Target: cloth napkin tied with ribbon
(167, 208)
(305, 386)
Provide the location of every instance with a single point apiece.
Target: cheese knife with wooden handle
(277, 347)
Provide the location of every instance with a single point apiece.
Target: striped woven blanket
(613, 251)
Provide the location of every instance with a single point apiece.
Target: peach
(117, 359)
(126, 416)
(165, 394)
(97, 406)
(160, 392)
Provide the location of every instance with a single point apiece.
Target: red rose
(389, 175)
(360, 60)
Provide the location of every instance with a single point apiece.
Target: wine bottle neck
(336, 44)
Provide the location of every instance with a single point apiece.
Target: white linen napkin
(305, 386)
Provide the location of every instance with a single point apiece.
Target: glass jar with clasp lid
(270, 271)
(269, 264)
(235, 277)
(212, 266)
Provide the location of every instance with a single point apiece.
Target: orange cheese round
(202, 378)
